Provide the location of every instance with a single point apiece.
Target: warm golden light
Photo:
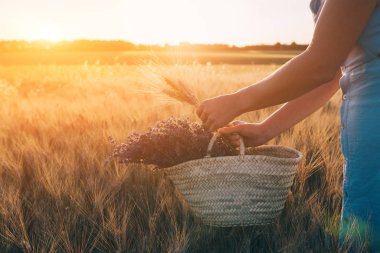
(45, 32)
(238, 22)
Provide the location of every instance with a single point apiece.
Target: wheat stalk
(180, 92)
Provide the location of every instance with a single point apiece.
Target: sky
(234, 22)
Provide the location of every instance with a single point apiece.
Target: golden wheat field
(59, 192)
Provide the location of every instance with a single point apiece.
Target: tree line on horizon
(120, 45)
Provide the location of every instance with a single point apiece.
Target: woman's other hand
(253, 134)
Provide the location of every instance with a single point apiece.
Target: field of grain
(60, 193)
(48, 57)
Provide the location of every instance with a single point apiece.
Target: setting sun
(45, 32)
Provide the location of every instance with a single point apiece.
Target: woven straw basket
(244, 190)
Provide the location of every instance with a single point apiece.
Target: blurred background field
(123, 52)
(138, 57)
(59, 194)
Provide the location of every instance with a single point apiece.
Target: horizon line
(147, 44)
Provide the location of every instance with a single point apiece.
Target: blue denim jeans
(360, 141)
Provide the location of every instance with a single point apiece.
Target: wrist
(268, 130)
(242, 101)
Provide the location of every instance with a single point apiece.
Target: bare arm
(284, 118)
(298, 109)
(338, 28)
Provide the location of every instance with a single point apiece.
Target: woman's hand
(219, 111)
(253, 134)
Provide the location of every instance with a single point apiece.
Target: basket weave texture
(244, 190)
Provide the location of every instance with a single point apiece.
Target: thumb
(231, 129)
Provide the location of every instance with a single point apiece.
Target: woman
(345, 47)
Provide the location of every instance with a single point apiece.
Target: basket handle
(212, 142)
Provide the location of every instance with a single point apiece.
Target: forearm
(294, 79)
(298, 109)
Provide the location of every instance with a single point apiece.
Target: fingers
(233, 127)
(211, 118)
(210, 124)
(203, 117)
(229, 130)
(211, 114)
(231, 134)
(235, 144)
(234, 139)
(199, 111)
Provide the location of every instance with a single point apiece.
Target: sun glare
(48, 33)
